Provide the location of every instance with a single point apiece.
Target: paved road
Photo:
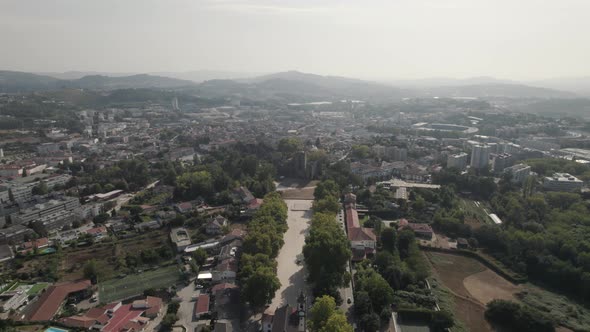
(291, 274)
(187, 306)
(346, 292)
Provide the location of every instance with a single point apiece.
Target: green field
(132, 285)
(475, 210)
(37, 288)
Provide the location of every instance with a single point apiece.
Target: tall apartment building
(562, 182)
(480, 156)
(50, 207)
(458, 161)
(501, 161)
(15, 234)
(396, 154)
(519, 172)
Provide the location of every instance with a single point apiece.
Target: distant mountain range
(290, 85)
(12, 81)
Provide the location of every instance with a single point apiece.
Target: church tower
(302, 312)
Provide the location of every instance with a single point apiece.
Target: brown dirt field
(473, 285)
(487, 285)
(452, 269)
(472, 315)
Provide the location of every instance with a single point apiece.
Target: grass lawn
(38, 287)
(132, 285)
(476, 210)
(563, 310)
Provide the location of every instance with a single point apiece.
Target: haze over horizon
(376, 40)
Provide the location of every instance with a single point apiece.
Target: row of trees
(257, 275)
(326, 250)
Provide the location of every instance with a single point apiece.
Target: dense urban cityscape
(152, 213)
(294, 166)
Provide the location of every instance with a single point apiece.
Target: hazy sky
(517, 39)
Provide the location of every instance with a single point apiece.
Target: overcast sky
(389, 39)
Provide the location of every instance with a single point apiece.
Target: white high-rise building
(519, 172)
(480, 156)
(458, 161)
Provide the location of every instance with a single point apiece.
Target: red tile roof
(79, 321)
(361, 234)
(255, 203)
(202, 305)
(50, 301)
(97, 230)
(419, 228)
(122, 317)
(222, 286)
(95, 312)
(352, 218)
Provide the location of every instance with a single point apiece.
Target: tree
(91, 270)
(320, 312)
(168, 321)
(40, 189)
(388, 239)
(325, 317)
(361, 151)
(290, 145)
(200, 256)
(100, 218)
(377, 288)
(195, 184)
(329, 204)
(337, 323)
(515, 317)
(326, 252)
(325, 189)
(260, 286)
(442, 320)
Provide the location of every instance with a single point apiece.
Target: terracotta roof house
(362, 240)
(202, 306)
(52, 299)
(226, 269)
(118, 317)
(97, 231)
(184, 207)
(420, 230)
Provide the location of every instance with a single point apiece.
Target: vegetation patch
(129, 286)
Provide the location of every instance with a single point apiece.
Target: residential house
(215, 226)
(118, 317)
(51, 301)
(225, 270)
(202, 306)
(423, 231)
